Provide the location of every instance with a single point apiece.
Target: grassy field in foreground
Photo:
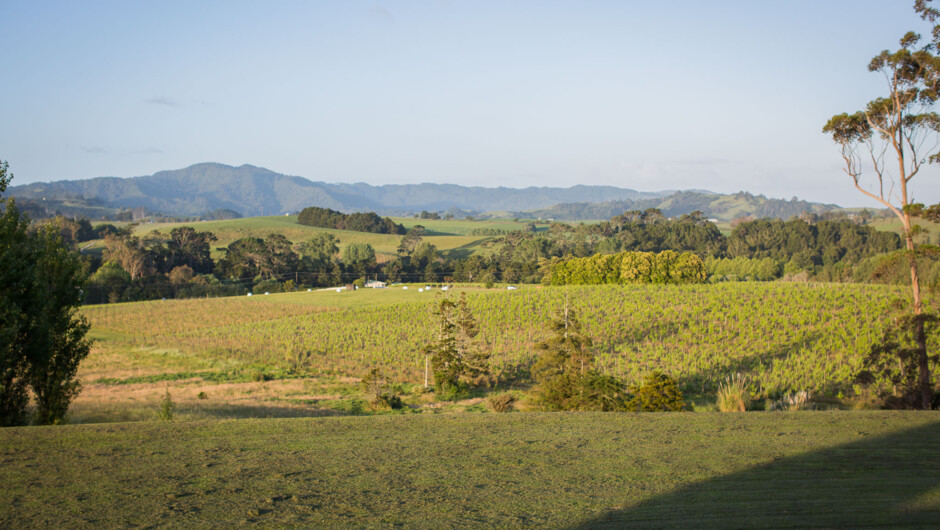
(832, 469)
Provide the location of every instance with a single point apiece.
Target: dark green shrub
(658, 393)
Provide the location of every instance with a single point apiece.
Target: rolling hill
(253, 191)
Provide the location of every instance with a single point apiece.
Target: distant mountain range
(712, 205)
(253, 191)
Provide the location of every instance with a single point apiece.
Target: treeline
(667, 267)
(632, 247)
(359, 222)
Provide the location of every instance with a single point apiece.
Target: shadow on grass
(128, 413)
(230, 411)
(889, 481)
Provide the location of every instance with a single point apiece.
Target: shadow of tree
(891, 481)
(462, 252)
(707, 379)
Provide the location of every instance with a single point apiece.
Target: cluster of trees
(181, 265)
(667, 267)
(428, 215)
(359, 222)
(42, 337)
(830, 249)
(136, 268)
(736, 269)
(803, 246)
(563, 372)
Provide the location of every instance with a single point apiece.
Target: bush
(267, 286)
(658, 393)
(167, 406)
(733, 394)
(501, 402)
(381, 394)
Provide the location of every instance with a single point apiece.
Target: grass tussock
(733, 394)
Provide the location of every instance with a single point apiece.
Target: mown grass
(488, 470)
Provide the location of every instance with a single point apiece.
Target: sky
(717, 95)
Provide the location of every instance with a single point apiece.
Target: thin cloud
(163, 100)
(94, 150)
(381, 13)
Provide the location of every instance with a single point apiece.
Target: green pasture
(462, 227)
(931, 232)
(450, 236)
(541, 470)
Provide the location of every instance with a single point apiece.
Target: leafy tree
(129, 252)
(411, 240)
(456, 357)
(251, 256)
(894, 135)
(108, 283)
(180, 275)
(42, 338)
(565, 374)
(190, 248)
(423, 254)
(319, 251)
(359, 257)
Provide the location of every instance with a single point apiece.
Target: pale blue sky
(721, 95)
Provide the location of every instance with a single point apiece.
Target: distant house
(376, 284)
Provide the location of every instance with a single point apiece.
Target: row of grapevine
(786, 336)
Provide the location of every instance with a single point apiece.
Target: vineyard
(785, 337)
